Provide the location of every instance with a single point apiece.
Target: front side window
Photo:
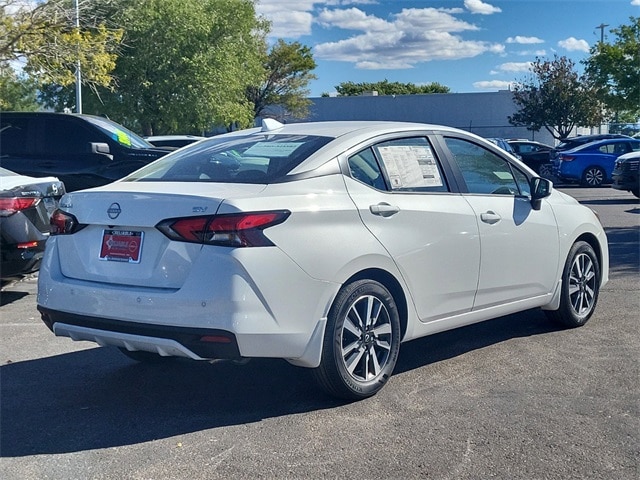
(257, 158)
(483, 171)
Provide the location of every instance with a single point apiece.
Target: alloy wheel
(367, 337)
(582, 284)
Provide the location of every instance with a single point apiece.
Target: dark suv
(81, 150)
(626, 173)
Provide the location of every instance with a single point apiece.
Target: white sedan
(325, 244)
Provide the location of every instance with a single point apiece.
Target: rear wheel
(593, 177)
(361, 341)
(546, 170)
(580, 287)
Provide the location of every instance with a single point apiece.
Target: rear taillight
(232, 230)
(567, 158)
(11, 205)
(63, 223)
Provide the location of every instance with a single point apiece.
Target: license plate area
(121, 246)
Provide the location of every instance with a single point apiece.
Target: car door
(519, 245)
(402, 195)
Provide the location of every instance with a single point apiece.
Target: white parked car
(325, 244)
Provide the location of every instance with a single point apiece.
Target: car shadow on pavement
(97, 398)
(9, 297)
(624, 255)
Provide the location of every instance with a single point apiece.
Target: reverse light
(230, 230)
(11, 205)
(63, 223)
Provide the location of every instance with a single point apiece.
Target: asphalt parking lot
(512, 398)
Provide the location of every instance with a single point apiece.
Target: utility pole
(78, 72)
(602, 27)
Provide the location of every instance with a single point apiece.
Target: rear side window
(257, 158)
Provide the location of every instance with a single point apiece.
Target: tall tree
(287, 72)
(185, 65)
(555, 97)
(615, 69)
(386, 87)
(44, 36)
(17, 92)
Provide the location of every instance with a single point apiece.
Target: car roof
(598, 143)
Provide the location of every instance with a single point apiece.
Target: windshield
(120, 134)
(257, 158)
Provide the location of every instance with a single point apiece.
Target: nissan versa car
(325, 244)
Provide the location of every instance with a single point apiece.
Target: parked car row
(592, 164)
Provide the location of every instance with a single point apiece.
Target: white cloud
(478, 6)
(289, 18)
(404, 40)
(525, 40)
(493, 85)
(536, 53)
(515, 67)
(574, 45)
(635, 3)
(352, 19)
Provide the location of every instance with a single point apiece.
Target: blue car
(592, 164)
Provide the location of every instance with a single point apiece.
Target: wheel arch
(395, 288)
(592, 240)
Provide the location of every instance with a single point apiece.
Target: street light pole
(78, 71)
(602, 27)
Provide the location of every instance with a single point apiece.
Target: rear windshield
(120, 134)
(257, 158)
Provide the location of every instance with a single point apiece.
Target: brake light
(567, 158)
(231, 230)
(9, 206)
(63, 223)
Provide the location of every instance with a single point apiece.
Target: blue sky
(467, 45)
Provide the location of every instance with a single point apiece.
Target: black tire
(580, 287)
(145, 357)
(636, 192)
(361, 341)
(545, 170)
(593, 177)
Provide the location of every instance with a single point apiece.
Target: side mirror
(100, 149)
(540, 188)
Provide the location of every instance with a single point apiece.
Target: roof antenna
(270, 124)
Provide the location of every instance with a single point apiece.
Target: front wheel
(593, 177)
(580, 287)
(361, 341)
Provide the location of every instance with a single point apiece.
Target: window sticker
(122, 137)
(411, 166)
(272, 149)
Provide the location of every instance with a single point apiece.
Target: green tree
(555, 97)
(185, 65)
(17, 92)
(385, 87)
(287, 72)
(44, 36)
(615, 69)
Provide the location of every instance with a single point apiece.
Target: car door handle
(490, 217)
(384, 209)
